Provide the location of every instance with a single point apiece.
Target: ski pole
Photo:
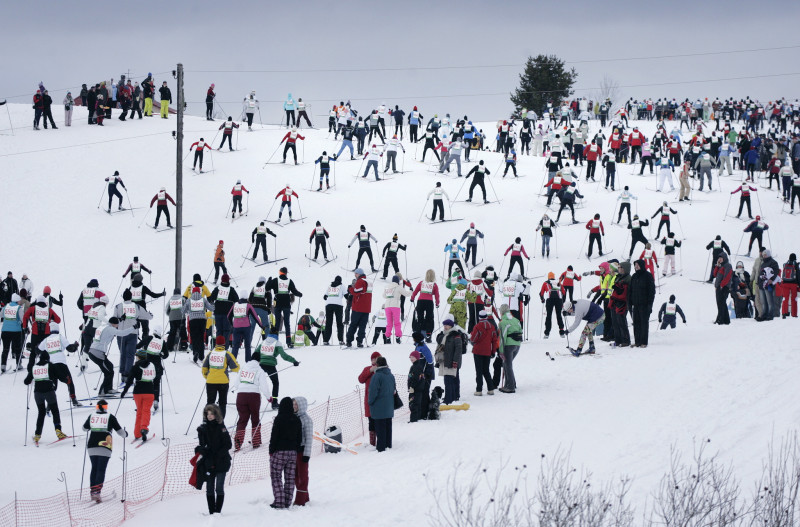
(271, 156)
(227, 207)
(118, 288)
(103, 193)
(27, 411)
(83, 467)
(300, 208)
(124, 465)
(130, 205)
(169, 387)
(314, 173)
(72, 421)
(145, 217)
(195, 410)
(725, 217)
(245, 254)
(270, 209)
(423, 209)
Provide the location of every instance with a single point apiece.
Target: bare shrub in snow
(775, 503)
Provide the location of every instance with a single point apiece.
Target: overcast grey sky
(65, 45)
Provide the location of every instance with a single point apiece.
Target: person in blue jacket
(414, 119)
(289, 106)
(751, 161)
(454, 251)
(381, 403)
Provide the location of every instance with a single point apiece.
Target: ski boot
(60, 434)
(144, 432)
(397, 339)
(387, 340)
(36, 439)
(590, 351)
(575, 351)
(76, 402)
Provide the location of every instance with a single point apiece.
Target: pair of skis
(332, 442)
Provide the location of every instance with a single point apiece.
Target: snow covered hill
(618, 413)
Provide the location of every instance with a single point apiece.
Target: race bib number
(216, 360)
(247, 377)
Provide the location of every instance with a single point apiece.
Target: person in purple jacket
(239, 315)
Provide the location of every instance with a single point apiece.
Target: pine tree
(544, 79)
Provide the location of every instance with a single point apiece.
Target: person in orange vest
(219, 261)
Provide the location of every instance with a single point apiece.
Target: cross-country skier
(625, 197)
(135, 268)
(471, 235)
(216, 368)
(36, 322)
(665, 169)
(438, 203)
(667, 313)
(756, 229)
(270, 349)
(223, 296)
(567, 282)
(364, 247)
(566, 197)
(128, 313)
(389, 254)
(374, 126)
(250, 105)
(227, 135)
(113, 181)
(546, 226)
(551, 294)
(361, 294)
(454, 251)
(453, 154)
(286, 195)
(289, 106)
(717, 245)
(347, 140)
(665, 210)
(319, 235)
(428, 292)
(324, 161)
(511, 162)
(745, 189)
(219, 260)
(373, 156)
(45, 380)
(637, 234)
(243, 319)
(153, 346)
(162, 197)
(596, 230)
(398, 115)
(210, 95)
(252, 383)
(301, 112)
(291, 138)
(480, 171)
(390, 149)
(414, 119)
(198, 152)
(98, 352)
(236, 192)
(431, 139)
(285, 292)
(146, 378)
(333, 311)
(100, 424)
(517, 252)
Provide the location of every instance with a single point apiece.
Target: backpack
(789, 272)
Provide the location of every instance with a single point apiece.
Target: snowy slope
(618, 414)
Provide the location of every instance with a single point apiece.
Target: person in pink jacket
(240, 316)
(392, 295)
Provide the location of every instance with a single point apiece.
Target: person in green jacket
(510, 339)
(458, 297)
(270, 349)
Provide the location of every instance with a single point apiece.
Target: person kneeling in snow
(666, 315)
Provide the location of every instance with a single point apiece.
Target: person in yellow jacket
(210, 323)
(197, 281)
(216, 365)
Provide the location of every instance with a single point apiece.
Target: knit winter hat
(504, 309)
(483, 314)
(415, 355)
(226, 279)
(396, 279)
(448, 322)
(196, 277)
(374, 355)
(220, 340)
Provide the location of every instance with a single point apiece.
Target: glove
(589, 295)
(155, 406)
(566, 332)
(125, 432)
(60, 297)
(297, 363)
(123, 276)
(122, 395)
(306, 459)
(348, 246)
(149, 272)
(72, 347)
(437, 306)
(455, 365)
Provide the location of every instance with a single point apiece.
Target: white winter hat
(53, 327)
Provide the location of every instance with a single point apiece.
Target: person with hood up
(458, 297)
(361, 292)
(146, 376)
(769, 277)
(381, 403)
(289, 106)
(483, 338)
(174, 310)
(789, 283)
(285, 443)
(741, 292)
(195, 308)
(214, 462)
(249, 385)
(240, 315)
(667, 313)
(618, 304)
(303, 458)
(641, 296)
(723, 275)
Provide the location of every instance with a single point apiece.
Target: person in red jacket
(361, 292)
(236, 192)
(483, 338)
(636, 139)
(596, 229)
(227, 133)
(286, 200)
(745, 189)
(364, 378)
(38, 109)
(198, 153)
(161, 197)
(593, 152)
(555, 183)
(291, 138)
(482, 296)
(517, 251)
(567, 281)
(39, 316)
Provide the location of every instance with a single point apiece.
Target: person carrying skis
(45, 379)
(667, 313)
(198, 152)
(454, 251)
(637, 234)
(250, 105)
(373, 156)
(291, 138)
(227, 135)
(471, 235)
(318, 235)
(113, 181)
(480, 171)
(551, 294)
(625, 197)
(324, 161)
(567, 282)
(596, 230)
(517, 251)
(100, 424)
(665, 211)
(428, 292)
(364, 247)
(745, 189)
(586, 311)
(284, 292)
(162, 197)
(756, 229)
(147, 377)
(389, 254)
(286, 195)
(438, 202)
(566, 196)
(236, 192)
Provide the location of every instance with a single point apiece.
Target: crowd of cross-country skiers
(485, 315)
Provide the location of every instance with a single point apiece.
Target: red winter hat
(374, 355)
(221, 242)
(415, 355)
(415, 107)
(472, 225)
(220, 340)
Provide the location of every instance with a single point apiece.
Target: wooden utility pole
(179, 182)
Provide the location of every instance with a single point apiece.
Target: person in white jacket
(250, 105)
(453, 154)
(373, 157)
(392, 295)
(249, 385)
(27, 285)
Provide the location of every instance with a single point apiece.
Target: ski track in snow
(620, 415)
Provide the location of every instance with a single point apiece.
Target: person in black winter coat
(641, 295)
(417, 387)
(285, 442)
(215, 461)
(47, 112)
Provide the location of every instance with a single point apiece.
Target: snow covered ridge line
(167, 475)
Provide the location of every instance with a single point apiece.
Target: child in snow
(667, 313)
(379, 320)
